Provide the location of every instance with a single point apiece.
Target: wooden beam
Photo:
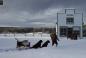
(1, 2)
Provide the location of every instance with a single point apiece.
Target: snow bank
(65, 49)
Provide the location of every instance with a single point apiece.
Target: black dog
(46, 43)
(37, 45)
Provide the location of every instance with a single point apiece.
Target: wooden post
(1, 2)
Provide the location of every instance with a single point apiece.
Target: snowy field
(65, 49)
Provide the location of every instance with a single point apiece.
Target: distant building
(69, 22)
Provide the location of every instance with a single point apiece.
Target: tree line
(25, 29)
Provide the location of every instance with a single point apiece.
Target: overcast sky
(26, 13)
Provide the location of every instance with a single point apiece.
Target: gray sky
(28, 13)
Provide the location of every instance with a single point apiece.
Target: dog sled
(26, 45)
(22, 44)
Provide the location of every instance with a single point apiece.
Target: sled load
(23, 44)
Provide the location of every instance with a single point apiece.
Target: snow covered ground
(65, 49)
